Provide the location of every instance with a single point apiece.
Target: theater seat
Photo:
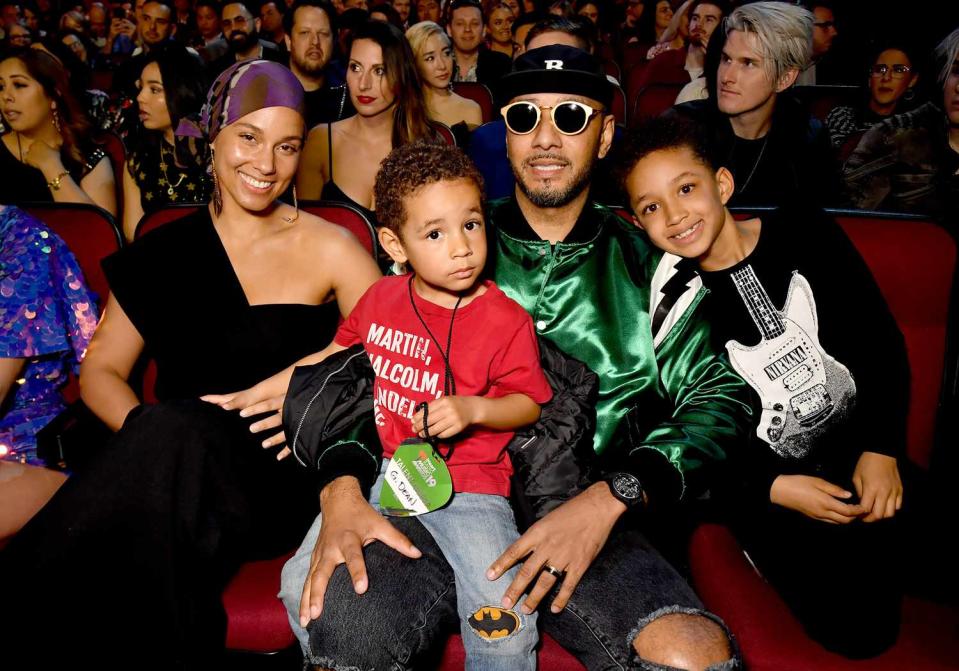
(652, 100)
(444, 132)
(344, 214)
(91, 235)
(479, 94)
(165, 214)
(914, 263)
(116, 152)
(618, 107)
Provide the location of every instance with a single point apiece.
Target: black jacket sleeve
(328, 417)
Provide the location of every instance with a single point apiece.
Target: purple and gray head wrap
(243, 88)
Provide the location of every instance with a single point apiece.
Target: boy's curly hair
(413, 166)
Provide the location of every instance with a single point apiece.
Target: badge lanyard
(449, 384)
(417, 479)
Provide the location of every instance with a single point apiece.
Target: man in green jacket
(668, 407)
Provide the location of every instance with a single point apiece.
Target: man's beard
(551, 197)
(309, 67)
(238, 46)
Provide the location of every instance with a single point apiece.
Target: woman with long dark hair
(341, 159)
(48, 153)
(161, 168)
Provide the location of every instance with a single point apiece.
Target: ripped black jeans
(410, 606)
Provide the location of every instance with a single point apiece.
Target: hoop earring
(217, 197)
(296, 208)
(910, 94)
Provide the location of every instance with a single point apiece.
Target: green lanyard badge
(417, 480)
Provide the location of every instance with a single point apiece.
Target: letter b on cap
(553, 65)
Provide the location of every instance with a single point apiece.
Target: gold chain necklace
(170, 187)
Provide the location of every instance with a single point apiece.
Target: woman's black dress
(125, 566)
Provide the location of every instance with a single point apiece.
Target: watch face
(626, 485)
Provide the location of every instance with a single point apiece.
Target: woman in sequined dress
(47, 317)
(48, 154)
(162, 169)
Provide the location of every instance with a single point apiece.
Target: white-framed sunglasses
(570, 117)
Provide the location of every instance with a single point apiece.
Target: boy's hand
(815, 498)
(449, 416)
(877, 482)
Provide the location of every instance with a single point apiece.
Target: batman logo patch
(493, 623)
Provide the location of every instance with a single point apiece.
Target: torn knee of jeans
(701, 641)
(492, 623)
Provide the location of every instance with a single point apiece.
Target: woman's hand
(256, 401)
(349, 524)
(44, 158)
(568, 539)
(815, 498)
(877, 482)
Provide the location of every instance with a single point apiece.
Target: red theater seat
(91, 235)
(914, 264)
(652, 100)
(445, 132)
(479, 94)
(89, 232)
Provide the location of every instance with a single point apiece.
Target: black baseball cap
(557, 68)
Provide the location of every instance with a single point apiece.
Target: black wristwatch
(626, 488)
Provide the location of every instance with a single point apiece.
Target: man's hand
(568, 539)
(254, 401)
(448, 416)
(815, 498)
(877, 482)
(349, 524)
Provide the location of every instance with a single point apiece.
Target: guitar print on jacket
(803, 390)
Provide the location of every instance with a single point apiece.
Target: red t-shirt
(494, 353)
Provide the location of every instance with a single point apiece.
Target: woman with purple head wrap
(184, 492)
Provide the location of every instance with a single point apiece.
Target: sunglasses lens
(521, 118)
(570, 118)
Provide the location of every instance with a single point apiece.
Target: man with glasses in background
(665, 410)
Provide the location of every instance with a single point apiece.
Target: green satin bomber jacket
(665, 412)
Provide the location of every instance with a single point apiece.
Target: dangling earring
(56, 120)
(217, 199)
(296, 208)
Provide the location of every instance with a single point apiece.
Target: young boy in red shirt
(442, 336)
